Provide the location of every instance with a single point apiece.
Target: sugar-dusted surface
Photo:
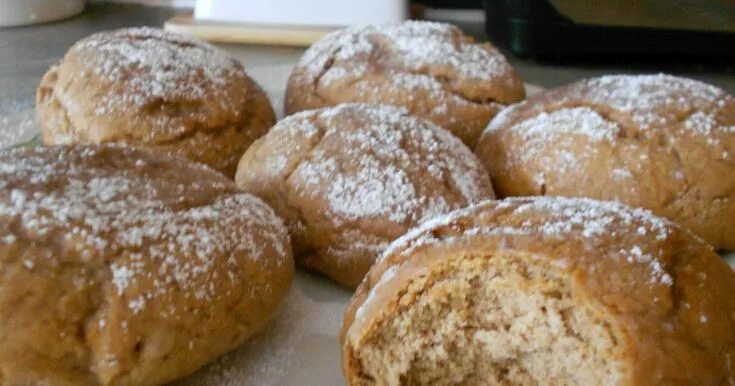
(573, 121)
(662, 290)
(383, 155)
(416, 45)
(417, 55)
(646, 97)
(157, 90)
(95, 197)
(604, 109)
(148, 266)
(555, 219)
(563, 129)
(302, 346)
(432, 69)
(659, 101)
(653, 141)
(166, 66)
(356, 176)
(653, 103)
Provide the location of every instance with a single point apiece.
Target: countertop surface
(27, 52)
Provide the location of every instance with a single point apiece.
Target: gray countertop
(27, 52)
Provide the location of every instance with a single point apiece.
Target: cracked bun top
(122, 267)
(349, 179)
(154, 89)
(653, 141)
(431, 69)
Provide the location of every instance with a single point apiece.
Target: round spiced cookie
(544, 291)
(350, 179)
(153, 89)
(432, 69)
(122, 267)
(653, 141)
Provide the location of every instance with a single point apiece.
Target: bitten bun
(544, 291)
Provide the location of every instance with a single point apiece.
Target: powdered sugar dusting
(150, 64)
(705, 124)
(615, 129)
(121, 277)
(662, 101)
(378, 172)
(579, 128)
(573, 121)
(87, 198)
(593, 218)
(653, 103)
(647, 97)
(416, 45)
(415, 60)
(426, 43)
(373, 192)
(559, 220)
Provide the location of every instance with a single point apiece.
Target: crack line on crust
(347, 226)
(610, 114)
(380, 51)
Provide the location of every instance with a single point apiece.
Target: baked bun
(157, 90)
(431, 69)
(656, 141)
(350, 179)
(545, 291)
(118, 267)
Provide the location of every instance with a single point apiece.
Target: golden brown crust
(665, 293)
(432, 69)
(155, 90)
(349, 179)
(657, 142)
(120, 267)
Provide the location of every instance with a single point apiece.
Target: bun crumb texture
(542, 290)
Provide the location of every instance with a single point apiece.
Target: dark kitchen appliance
(703, 28)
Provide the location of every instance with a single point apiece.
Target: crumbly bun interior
(474, 323)
(543, 290)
